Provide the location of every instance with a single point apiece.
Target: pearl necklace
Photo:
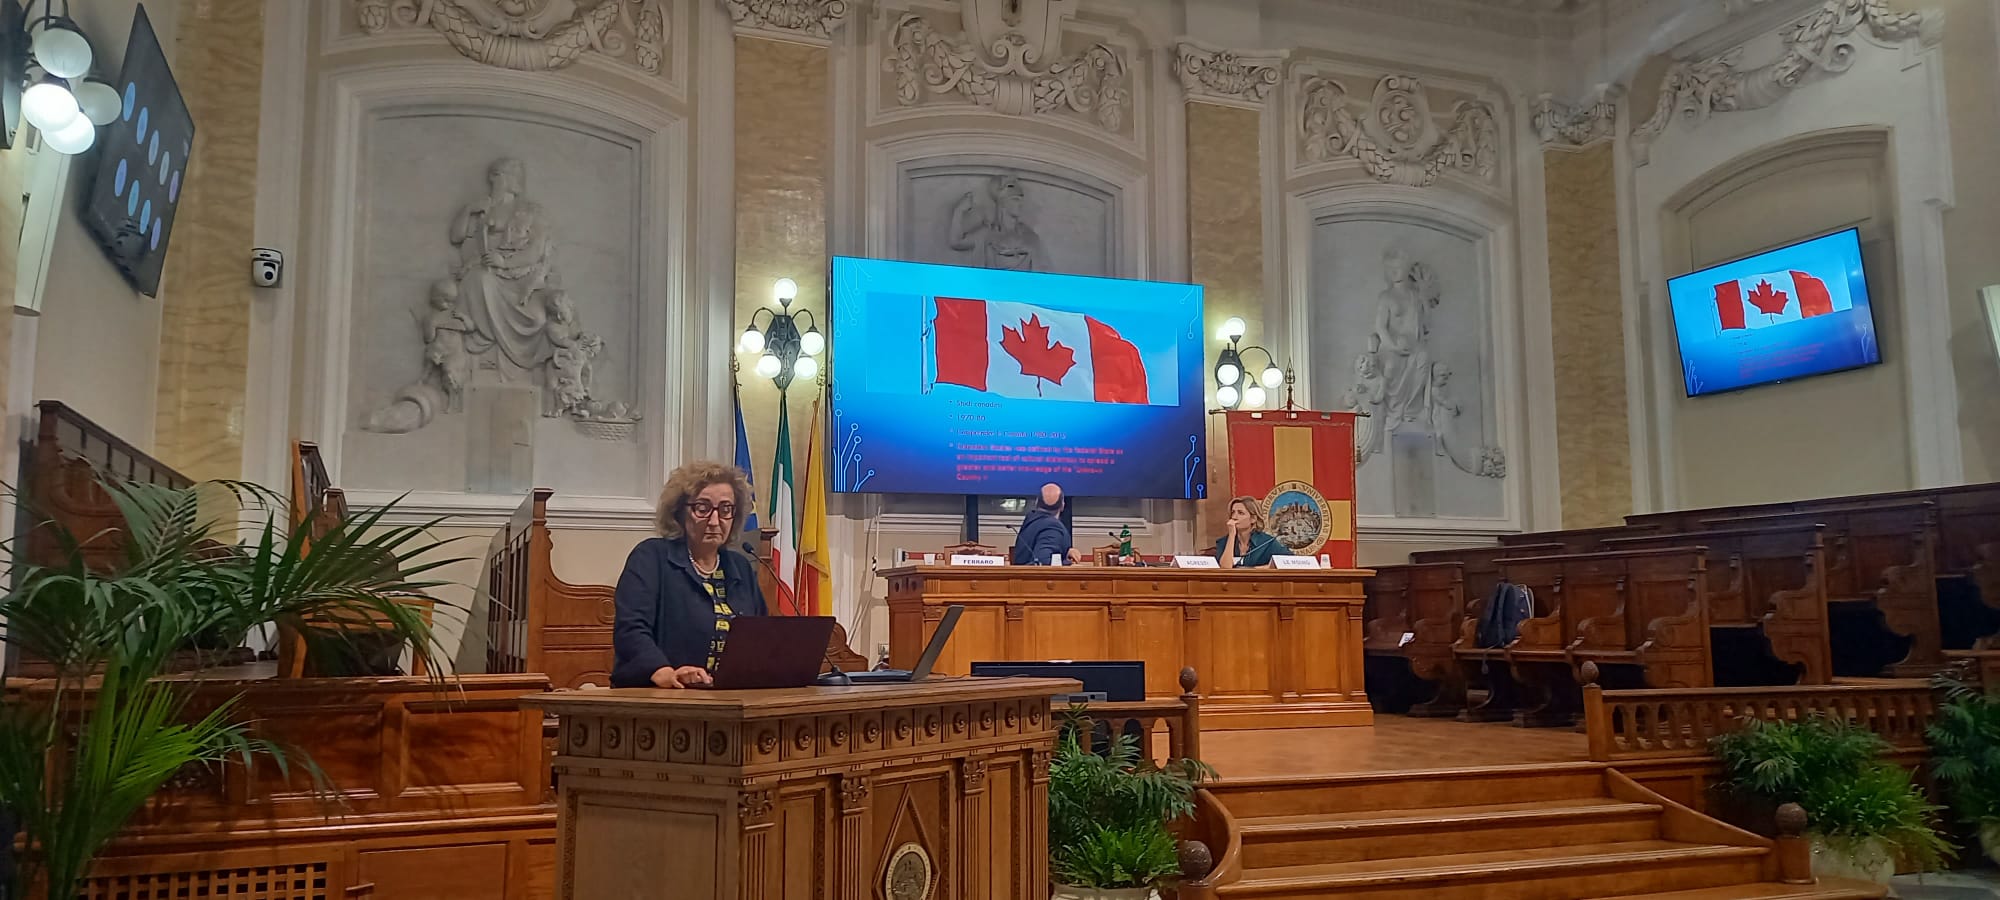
(708, 571)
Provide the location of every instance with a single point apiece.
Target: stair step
(1447, 816)
(1404, 791)
(1547, 873)
(1826, 889)
(1276, 841)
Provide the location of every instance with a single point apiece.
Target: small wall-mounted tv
(957, 380)
(142, 162)
(1794, 312)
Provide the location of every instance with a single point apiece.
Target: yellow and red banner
(1300, 463)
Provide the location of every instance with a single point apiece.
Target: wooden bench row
(1819, 591)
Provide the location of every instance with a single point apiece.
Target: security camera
(266, 267)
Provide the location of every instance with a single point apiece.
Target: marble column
(206, 296)
(783, 143)
(1226, 93)
(1586, 309)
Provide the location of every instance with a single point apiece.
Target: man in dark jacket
(1044, 539)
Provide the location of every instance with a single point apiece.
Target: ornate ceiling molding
(1397, 140)
(1228, 77)
(997, 62)
(1573, 126)
(810, 21)
(1822, 42)
(531, 36)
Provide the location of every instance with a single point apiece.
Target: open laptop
(924, 663)
(772, 652)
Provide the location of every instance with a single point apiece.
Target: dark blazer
(1043, 535)
(665, 617)
(1262, 548)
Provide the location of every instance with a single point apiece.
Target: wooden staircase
(1570, 831)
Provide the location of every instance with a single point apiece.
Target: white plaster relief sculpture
(1402, 387)
(1577, 125)
(992, 226)
(1397, 140)
(809, 18)
(1006, 60)
(503, 315)
(1821, 42)
(1226, 75)
(532, 35)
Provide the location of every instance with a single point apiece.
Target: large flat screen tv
(142, 162)
(1794, 312)
(955, 380)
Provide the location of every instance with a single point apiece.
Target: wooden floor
(1392, 744)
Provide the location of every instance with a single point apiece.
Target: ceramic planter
(1868, 861)
(1068, 892)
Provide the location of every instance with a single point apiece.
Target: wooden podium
(1275, 648)
(885, 792)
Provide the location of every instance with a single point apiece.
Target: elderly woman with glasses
(680, 589)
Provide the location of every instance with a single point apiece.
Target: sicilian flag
(1760, 301)
(814, 589)
(1032, 352)
(785, 518)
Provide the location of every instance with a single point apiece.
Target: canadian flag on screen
(1031, 352)
(1760, 301)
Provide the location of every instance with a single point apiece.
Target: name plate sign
(967, 559)
(1196, 562)
(1295, 562)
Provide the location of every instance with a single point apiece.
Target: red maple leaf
(1768, 301)
(1038, 357)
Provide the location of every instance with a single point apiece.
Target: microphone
(835, 676)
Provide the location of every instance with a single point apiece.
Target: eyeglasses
(702, 509)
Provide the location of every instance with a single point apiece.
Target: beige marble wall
(206, 295)
(783, 136)
(1592, 444)
(13, 183)
(1226, 250)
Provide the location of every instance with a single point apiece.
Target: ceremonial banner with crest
(1301, 465)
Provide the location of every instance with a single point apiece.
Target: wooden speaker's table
(1275, 649)
(937, 790)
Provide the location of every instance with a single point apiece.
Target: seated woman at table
(1246, 546)
(680, 589)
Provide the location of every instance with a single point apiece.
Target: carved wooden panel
(1277, 649)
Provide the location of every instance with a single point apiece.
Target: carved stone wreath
(810, 18)
(1821, 42)
(924, 60)
(1398, 141)
(531, 35)
(1220, 74)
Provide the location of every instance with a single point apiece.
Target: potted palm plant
(1109, 815)
(1864, 815)
(1965, 757)
(82, 751)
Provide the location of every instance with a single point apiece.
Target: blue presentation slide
(957, 380)
(1790, 313)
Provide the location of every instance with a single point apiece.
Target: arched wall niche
(1406, 298)
(1747, 446)
(407, 160)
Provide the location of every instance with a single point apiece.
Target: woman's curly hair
(689, 481)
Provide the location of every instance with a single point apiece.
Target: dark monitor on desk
(1120, 681)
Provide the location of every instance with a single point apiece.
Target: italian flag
(785, 518)
(813, 589)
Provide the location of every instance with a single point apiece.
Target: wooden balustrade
(1663, 723)
(1179, 717)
